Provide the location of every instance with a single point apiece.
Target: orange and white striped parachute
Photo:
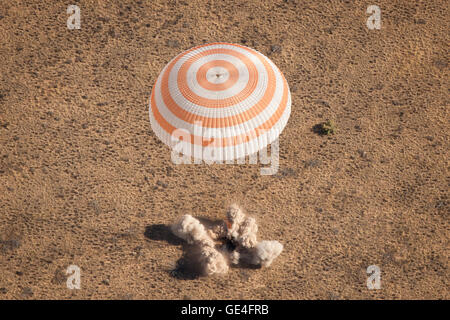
(227, 98)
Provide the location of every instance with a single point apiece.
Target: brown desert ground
(84, 180)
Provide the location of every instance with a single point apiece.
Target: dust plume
(232, 241)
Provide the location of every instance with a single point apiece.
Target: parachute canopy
(223, 99)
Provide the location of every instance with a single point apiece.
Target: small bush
(326, 128)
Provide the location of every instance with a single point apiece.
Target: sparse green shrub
(328, 127)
